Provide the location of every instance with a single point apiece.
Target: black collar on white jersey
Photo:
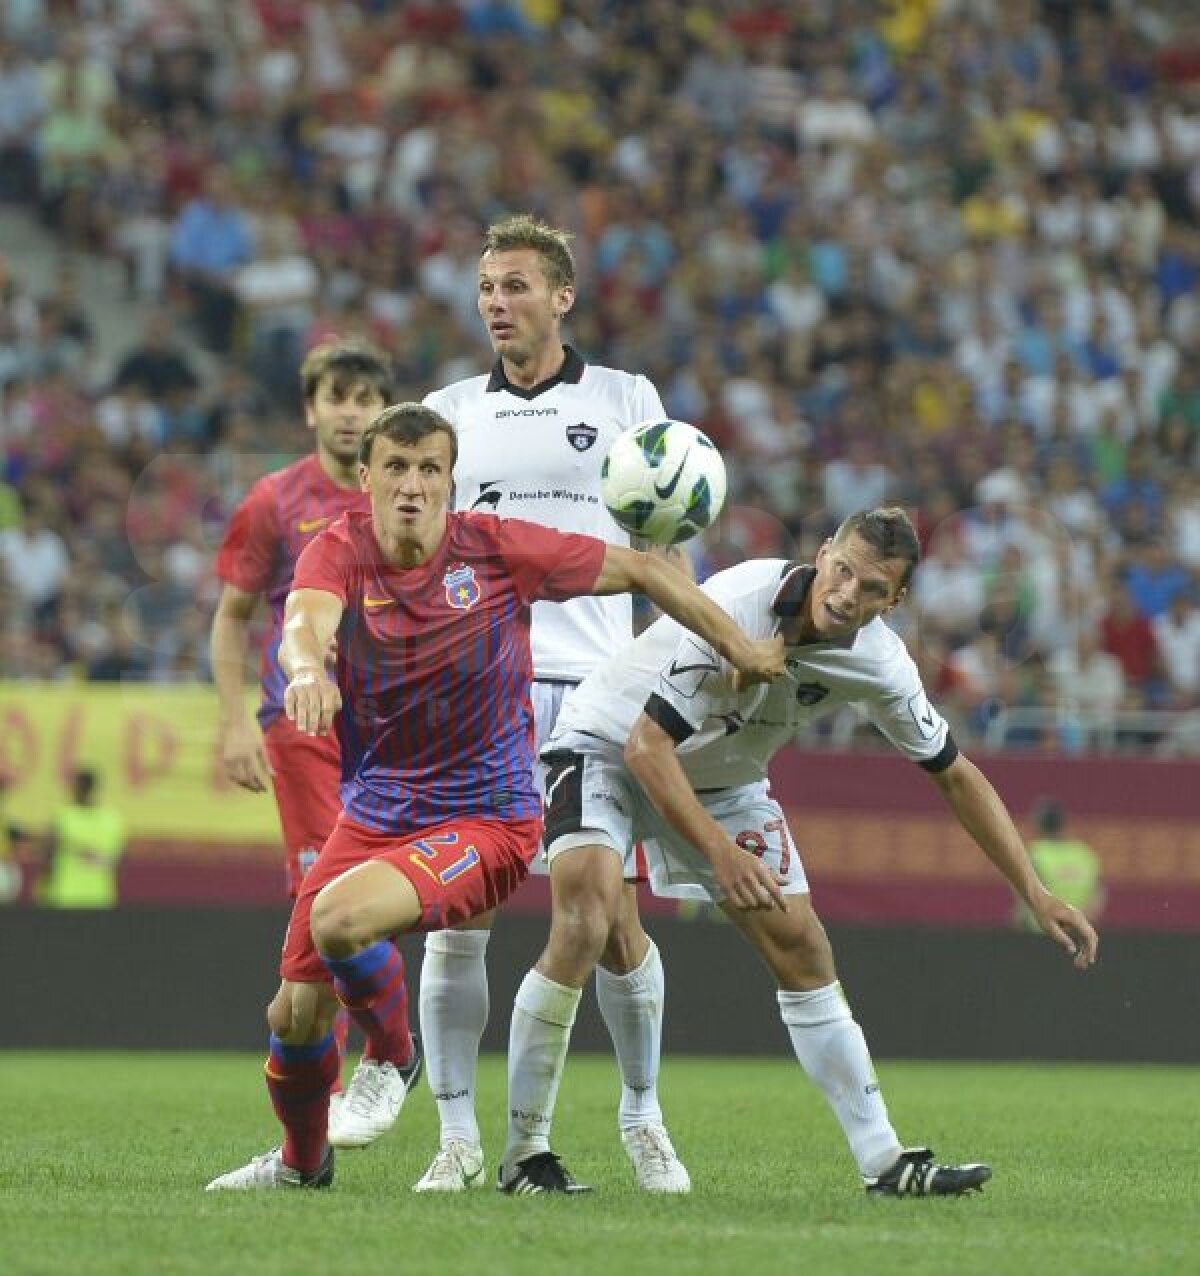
(792, 595)
(572, 371)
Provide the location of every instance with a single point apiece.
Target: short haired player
(661, 743)
(430, 611)
(533, 434)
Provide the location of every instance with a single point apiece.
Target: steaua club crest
(462, 589)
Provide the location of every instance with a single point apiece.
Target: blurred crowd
(942, 253)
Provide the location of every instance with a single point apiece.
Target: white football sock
(543, 1015)
(632, 1006)
(454, 1013)
(831, 1049)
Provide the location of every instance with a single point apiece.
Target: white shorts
(592, 800)
(547, 698)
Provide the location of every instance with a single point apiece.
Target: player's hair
(84, 784)
(889, 532)
(553, 246)
(407, 423)
(1049, 818)
(348, 362)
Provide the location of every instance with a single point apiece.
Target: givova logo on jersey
(462, 588)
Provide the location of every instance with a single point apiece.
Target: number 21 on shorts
(429, 853)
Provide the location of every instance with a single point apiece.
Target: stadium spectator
(1128, 635)
(1177, 635)
(156, 366)
(1069, 867)
(22, 105)
(84, 850)
(210, 239)
(35, 557)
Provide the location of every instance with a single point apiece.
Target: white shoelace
(655, 1147)
(366, 1088)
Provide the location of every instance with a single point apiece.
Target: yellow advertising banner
(155, 749)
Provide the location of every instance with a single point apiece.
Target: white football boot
(458, 1167)
(657, 1167)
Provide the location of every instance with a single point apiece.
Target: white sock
(831, 1049)
(454, 1012)
(632, 1006)
(543, 1015)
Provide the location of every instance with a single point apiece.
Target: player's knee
(293, 1018)
(581, 923)
(804, 954)
(339, 927)
(626, 945)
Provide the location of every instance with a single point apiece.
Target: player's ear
(363, 472)
(564, 299)
(901, 595)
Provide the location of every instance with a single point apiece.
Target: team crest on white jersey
(582, 436)
(462, 589)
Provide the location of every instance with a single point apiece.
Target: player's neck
(410, 549)
(540, 366)
(341, 473)
(799, 630)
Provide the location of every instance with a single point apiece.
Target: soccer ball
(663, 481)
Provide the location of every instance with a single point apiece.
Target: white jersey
(727, 737)
(537, 454)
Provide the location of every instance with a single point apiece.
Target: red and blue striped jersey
(280, 514)
(434, 664)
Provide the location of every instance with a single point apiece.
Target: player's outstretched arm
(983, 814)
(629, 571)
(745, 880)
(310, 622)
(241, 746)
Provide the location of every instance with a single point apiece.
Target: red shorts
(306, 770)
(459, 869)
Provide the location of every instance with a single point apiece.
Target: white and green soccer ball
(663, 481)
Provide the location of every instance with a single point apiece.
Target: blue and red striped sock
(341, 1032)
(299, 1080)
(372, 987)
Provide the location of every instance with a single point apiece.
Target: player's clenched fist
(747, 882)
(761, 660)
(311, 701)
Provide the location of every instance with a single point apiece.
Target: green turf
(103, 1158)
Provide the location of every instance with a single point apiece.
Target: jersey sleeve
(548, 564)
(437, 399)
(327, 563)
(249, 551)
(647, 406)
(905, 716)
(690, 687)
(694, 695)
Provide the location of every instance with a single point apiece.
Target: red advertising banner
(880, 845)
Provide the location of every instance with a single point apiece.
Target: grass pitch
(103, 1159)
